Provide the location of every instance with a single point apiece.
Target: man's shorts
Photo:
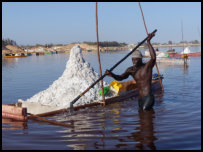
(146, 103)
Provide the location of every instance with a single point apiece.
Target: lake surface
(174, 123)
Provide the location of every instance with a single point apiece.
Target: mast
(184, 56)
(182, 34)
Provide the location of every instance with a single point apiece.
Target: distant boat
(167, 57)
(177, 55)
(51, 52)
(54, 52)
(15, 55)
(47, 53)
(168, 60)
(173, 54)
(185, 51)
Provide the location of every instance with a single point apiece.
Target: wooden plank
(13, 116)
(14, 110)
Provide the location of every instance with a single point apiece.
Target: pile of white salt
(76, 78)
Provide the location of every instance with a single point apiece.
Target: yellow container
(184, 56)
(116, 85)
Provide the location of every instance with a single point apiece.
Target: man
(142, 74)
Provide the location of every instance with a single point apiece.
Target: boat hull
(178, 55)
(15, 56)
(129, 90)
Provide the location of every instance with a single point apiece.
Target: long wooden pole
(49, 121)
(98, 55)
(147, 34)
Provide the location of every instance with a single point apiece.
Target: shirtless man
(142, 74)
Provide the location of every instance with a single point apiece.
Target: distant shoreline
(174, 45)
(87, 48)
(155, 46)
(177, 45)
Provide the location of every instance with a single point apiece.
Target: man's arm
(121, 77)
(152, 61)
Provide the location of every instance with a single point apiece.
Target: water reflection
(185, 69)
(165, 65)
(9, 124)
(9, 62)
(145, 134)
(114, 126)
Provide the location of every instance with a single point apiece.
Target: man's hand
(108, 73)
(150, 35)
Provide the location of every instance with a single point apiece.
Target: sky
(30, 23)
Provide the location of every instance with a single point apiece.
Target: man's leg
(146, 103)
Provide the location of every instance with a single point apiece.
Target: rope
(98, 55)
(147, 34)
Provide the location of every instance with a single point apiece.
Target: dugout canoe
(17, 112)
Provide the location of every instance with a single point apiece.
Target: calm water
(175, 122)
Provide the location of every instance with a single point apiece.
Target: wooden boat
(17, 112)
(53, 52)
(174, 61)
(178, 55)
(15, 55)
(46, 53)
(14, 112)
(39, 53)
(169, 60)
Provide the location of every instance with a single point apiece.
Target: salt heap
(76, 78)
(186, 51)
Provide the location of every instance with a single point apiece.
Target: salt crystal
(186, 51)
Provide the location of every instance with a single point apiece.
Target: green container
(167, 55)
(106, 90)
